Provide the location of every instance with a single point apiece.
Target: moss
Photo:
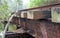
(12, 27)
(1, 27)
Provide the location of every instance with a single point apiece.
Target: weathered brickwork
(41, 28)
(44, 28)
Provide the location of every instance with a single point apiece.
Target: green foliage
(1, 27)
(12, 27)
(36, 3)
(4, 11)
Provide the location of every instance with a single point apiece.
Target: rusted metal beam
(42, 7)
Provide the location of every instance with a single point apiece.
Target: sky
(12, 4)
(25, 3)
